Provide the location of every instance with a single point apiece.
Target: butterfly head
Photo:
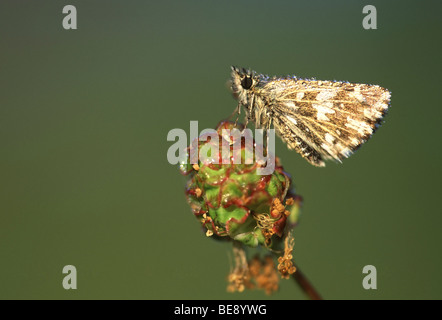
(243, 81)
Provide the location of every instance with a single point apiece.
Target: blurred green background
(84, 116)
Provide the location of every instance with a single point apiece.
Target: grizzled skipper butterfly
(321, 120)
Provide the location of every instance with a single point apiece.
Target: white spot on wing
(329, 138)
(355, 141)
(358, 95)
(292, 120)
(361, 127)
(291, 104)
(325, 95)
(329, 149)
(372, 113)
(323, 109)
(346, 152)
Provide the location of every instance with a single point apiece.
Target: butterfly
(321, 120)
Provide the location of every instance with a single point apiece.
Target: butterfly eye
(246, 83)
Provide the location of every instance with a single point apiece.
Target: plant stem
(305, 285)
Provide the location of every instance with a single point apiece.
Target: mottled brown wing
(324, 119)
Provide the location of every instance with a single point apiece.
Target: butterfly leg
(246, 122)
(236, 112)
